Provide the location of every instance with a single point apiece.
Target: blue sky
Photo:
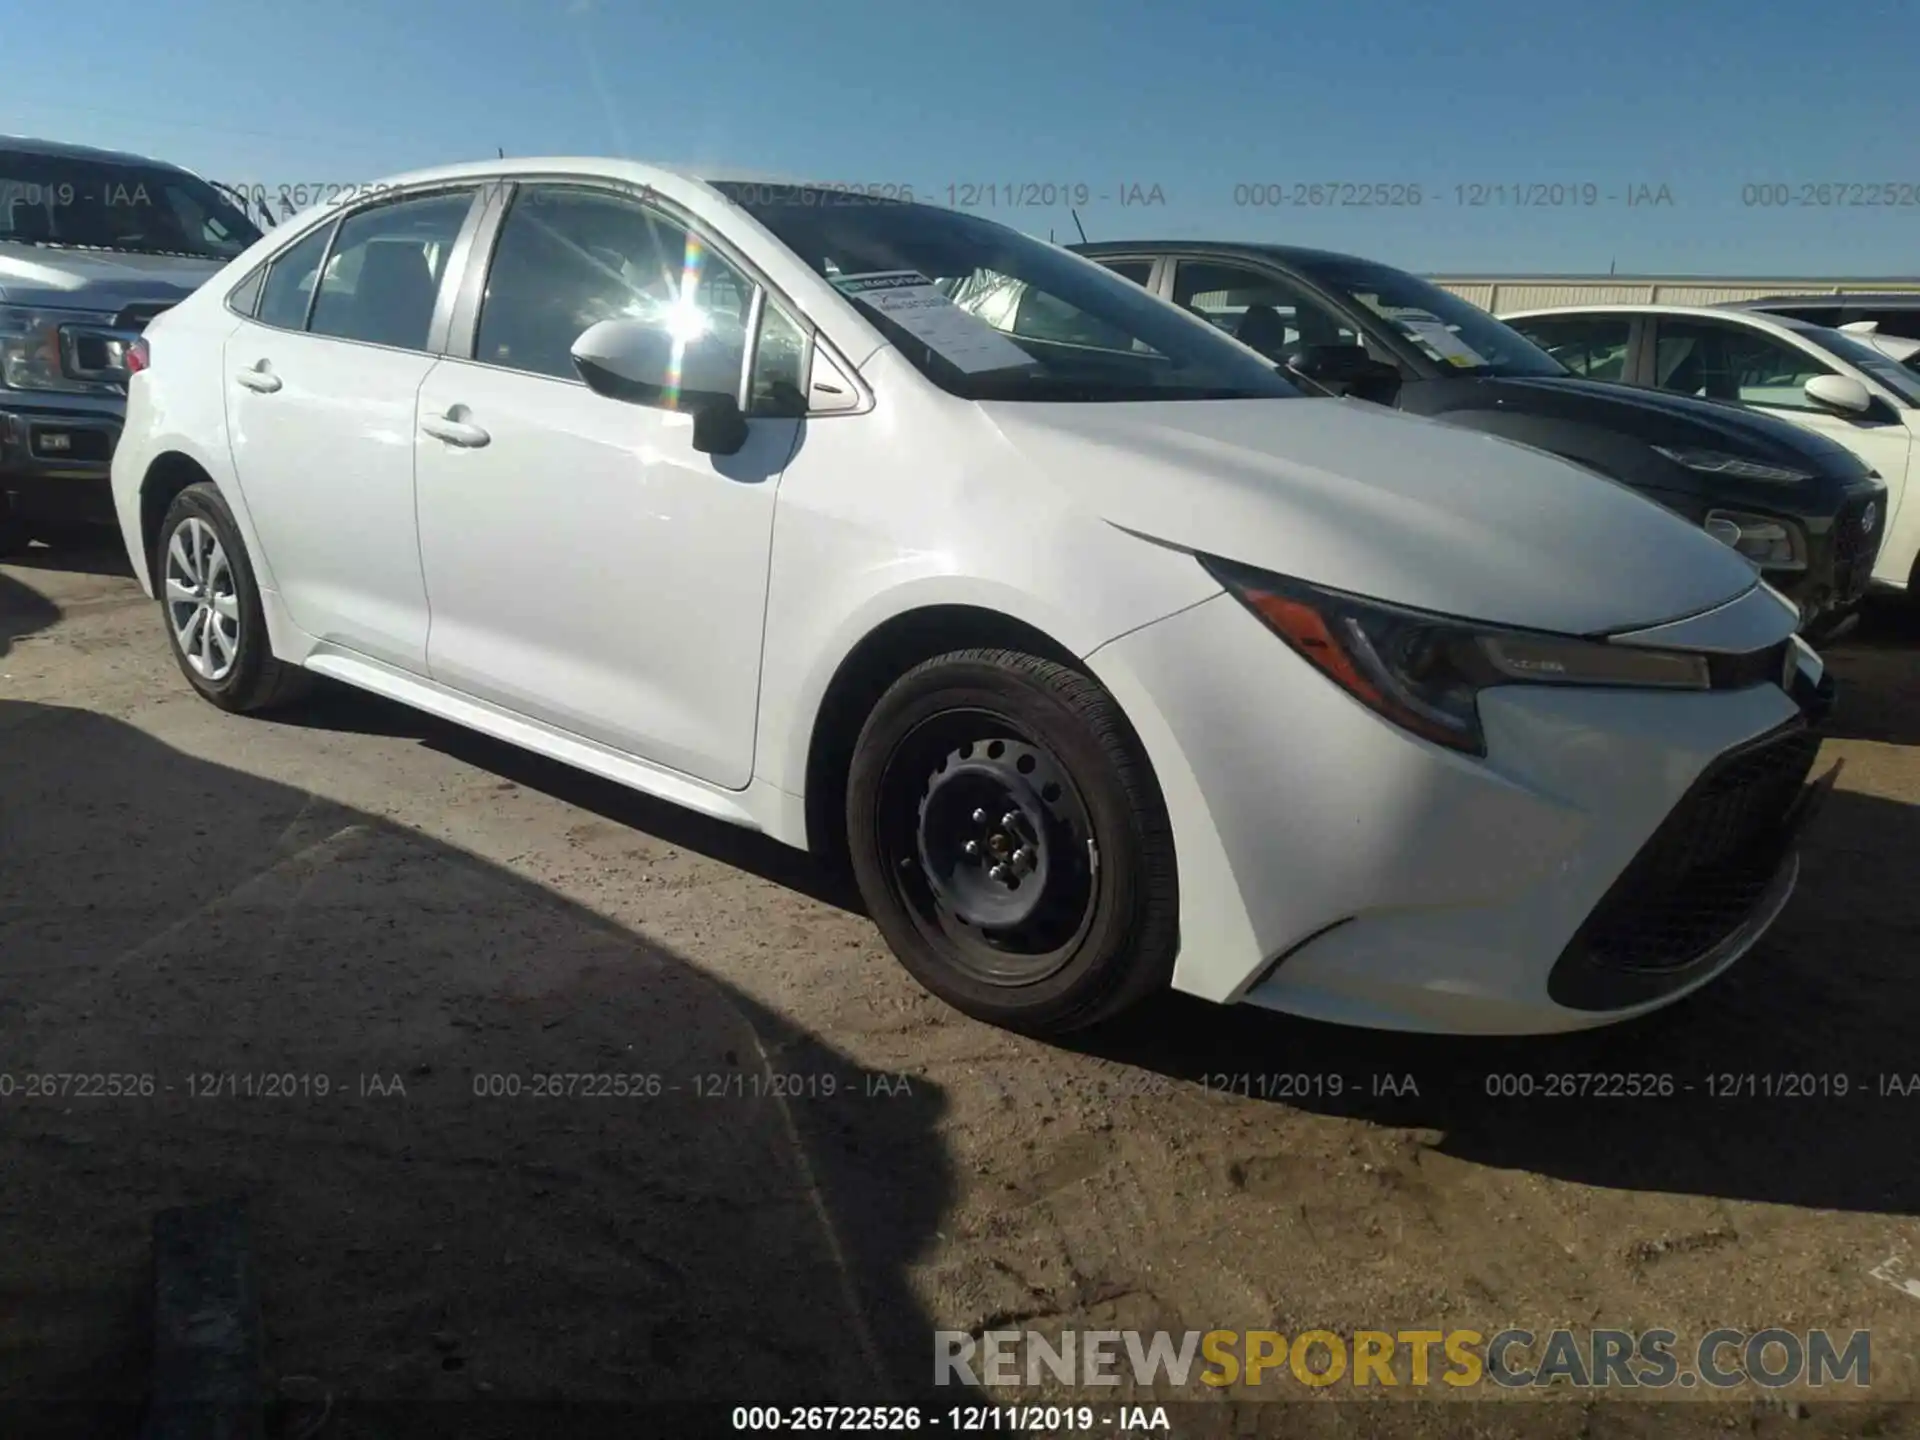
(1197, 98)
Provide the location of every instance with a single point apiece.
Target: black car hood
(1653, 416)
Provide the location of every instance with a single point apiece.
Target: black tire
(254, 680)
(1098, 926)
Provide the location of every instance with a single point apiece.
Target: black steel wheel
(1010, 842)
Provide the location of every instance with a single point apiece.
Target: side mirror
(642, 363)
(1839, 394)
(1347, 368)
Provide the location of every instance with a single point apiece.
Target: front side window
(1594, 347)
(288, 292)
(988, 313)
(1733, 362)
(570, 257)
(131, 207)
(1258, 308)
(384, 274)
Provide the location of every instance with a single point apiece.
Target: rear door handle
(453, 428)
(260, 378)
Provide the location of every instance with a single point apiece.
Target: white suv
(1107, 659)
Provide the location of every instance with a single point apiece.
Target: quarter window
(1727, 362)
(569, 257)
(289, 287)
(383, 277)
(779, 383)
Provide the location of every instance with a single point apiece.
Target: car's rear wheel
(212, 607)
(1011, 842)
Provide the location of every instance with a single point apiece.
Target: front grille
(1708, 865)
(1855, 548)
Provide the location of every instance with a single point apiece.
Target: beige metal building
(1502, 294)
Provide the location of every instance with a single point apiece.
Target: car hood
(1657, 417)
(1358, 498)
(105, 280)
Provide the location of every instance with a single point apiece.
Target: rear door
(321, 386)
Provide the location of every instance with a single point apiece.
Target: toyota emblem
(1869, 517)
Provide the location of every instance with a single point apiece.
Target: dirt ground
(388, 916)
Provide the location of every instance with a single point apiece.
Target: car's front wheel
(212, 607)
(1011, 842)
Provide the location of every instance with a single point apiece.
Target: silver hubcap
(201, 601)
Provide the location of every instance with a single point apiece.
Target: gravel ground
(358, 900)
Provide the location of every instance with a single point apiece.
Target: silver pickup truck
(93, 245)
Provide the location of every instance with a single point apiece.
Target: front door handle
(260, 378)
(454, 428)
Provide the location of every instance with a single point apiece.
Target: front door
(587, 566)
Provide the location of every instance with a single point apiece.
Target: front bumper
(55, 464)
(1355, 874)
(1841, 550)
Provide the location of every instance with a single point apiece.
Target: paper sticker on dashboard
(912, 302)
(1444, 343)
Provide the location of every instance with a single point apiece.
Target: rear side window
(384, 274)
(283, 299)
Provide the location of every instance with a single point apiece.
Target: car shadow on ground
(94, 552)
(496, 1150)
(342, 708)
(1828, 1002)
(1877, 671)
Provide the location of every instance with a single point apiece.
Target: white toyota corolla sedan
(1107, 660)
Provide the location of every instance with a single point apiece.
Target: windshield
(109, 205)
(1898, 378)
(990, 314)
(1448, 330)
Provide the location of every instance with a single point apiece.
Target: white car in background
(1107, 659)
(1847, 386)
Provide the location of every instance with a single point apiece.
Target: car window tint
(1593, 347)
(569, 257)
(1258, 309)
(384, 274)
(283, 299)
(1728, 362)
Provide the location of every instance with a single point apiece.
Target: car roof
(1759, 318)
(605, 167)
(1301, 256)
(1883, 299)
(60, 150)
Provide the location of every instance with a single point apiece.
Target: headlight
(30, 348)
(1769, 542)
(1713, 462)
(1425, 672)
